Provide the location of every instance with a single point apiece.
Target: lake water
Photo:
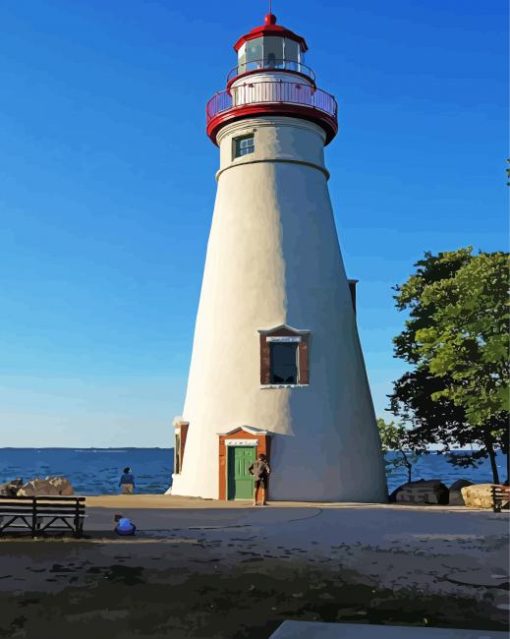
(96, 471)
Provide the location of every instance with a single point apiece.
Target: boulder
(456, 498)
(430, 491)
(478, 495)
(10, 488)
(48, 486)
(62, 485)
(37, 487)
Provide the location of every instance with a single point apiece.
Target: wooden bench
(500, 497)
(42, 513)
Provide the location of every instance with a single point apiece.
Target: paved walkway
(362, 523)
(428, 549)
(313, 630)
(176, 502)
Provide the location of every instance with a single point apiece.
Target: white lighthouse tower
(277, 365)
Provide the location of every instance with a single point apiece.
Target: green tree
(456, 341)
(437, 421)
(394, 438)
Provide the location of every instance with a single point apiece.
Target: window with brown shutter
(284, 357)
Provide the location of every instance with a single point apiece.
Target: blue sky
(107, 186)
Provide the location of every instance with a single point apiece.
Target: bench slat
(49, 504)
(28, 507)
(70, 498)
(16, 509)
(24, 513)
(44, 515)
(55, 511)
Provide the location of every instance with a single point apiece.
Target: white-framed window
(243, 145)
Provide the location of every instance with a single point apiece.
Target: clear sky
(107, 185)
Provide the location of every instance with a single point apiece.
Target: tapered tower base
(274, 272)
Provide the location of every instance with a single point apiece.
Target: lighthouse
(277, 366)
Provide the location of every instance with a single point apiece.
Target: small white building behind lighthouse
(277, 366)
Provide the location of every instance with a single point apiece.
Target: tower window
(181, 433)
(177, 453)
(284, 357)
(284, 363)
(244, 145)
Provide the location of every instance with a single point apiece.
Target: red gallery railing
(271, 92)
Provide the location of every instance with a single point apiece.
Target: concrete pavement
(315, 630)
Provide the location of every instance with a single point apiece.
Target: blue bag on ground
(125, 527)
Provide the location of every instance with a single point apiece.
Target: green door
(240, 482)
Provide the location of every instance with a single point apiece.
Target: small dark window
(244, 145)
(284, 368)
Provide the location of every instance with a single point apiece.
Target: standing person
(127, 482)
(260, 470)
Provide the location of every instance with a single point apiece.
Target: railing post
(34, 515)
(77, 519)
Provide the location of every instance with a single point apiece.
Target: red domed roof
(270, 28)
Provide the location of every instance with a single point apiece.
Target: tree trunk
(489, 445)
(408, 465)
(504, 446)
(504, 450)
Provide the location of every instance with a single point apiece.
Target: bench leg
(496, 506)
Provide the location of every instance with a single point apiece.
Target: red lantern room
(271, 78)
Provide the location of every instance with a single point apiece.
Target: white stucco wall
(273, 258)
(268, 75)
(248, 88)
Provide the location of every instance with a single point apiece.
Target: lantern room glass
(254, 52)
(292, 51)
(271, 52)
